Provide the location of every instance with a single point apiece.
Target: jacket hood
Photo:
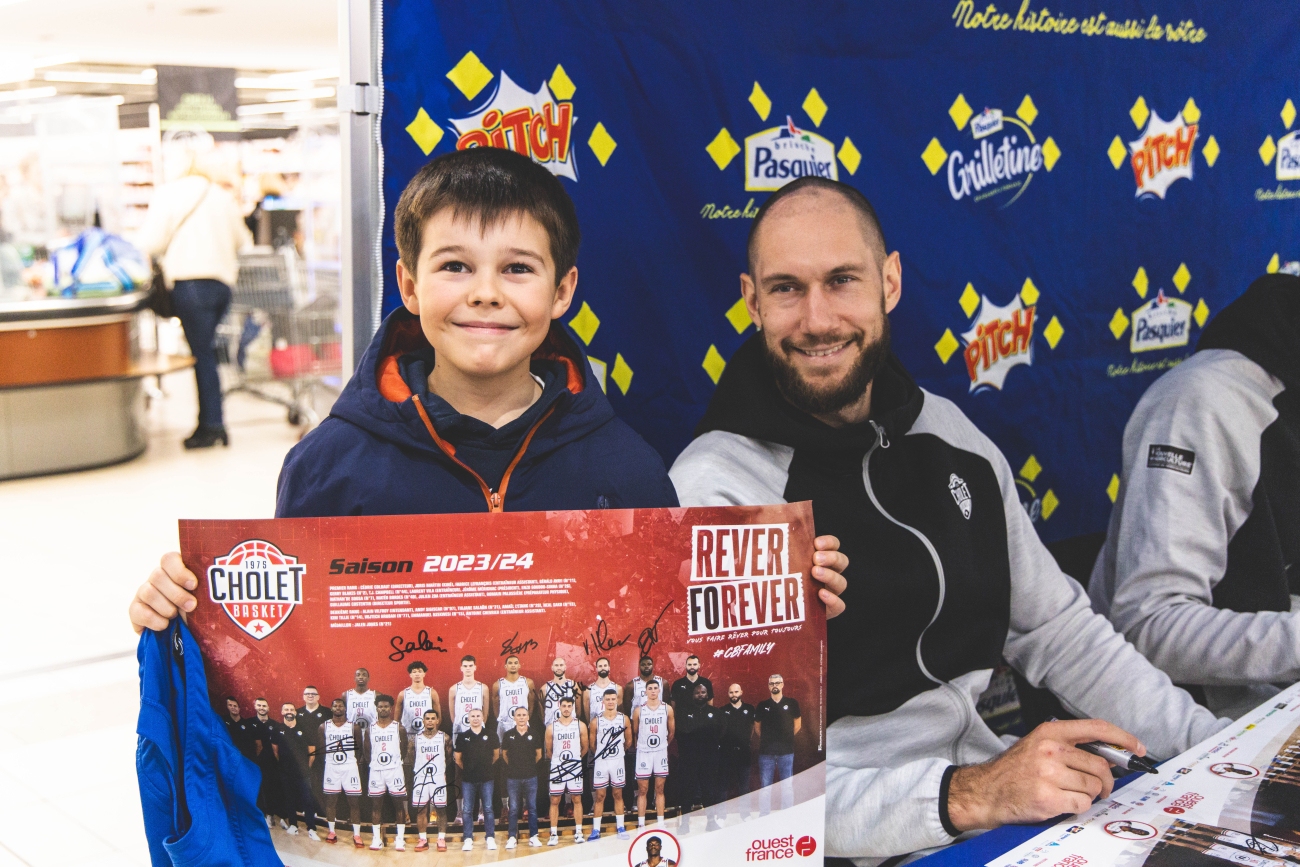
(378, 400)
(748, 403)
(1263, 325)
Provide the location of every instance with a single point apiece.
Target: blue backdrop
(1073, 189)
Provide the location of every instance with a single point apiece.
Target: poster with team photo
(615, 687)
(1234, 798)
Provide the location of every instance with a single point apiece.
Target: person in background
(1198, 565)
(270, 188)
(195, 227)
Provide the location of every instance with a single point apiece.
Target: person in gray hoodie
(1201, 566)
(946, 575)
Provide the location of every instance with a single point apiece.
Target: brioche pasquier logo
(257, 585)
(780, 848)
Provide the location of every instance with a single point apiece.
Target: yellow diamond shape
(969, 300)
(738, 316)
(933, 156)
(1053, 332)
(1029, 293)
(1273, 264)
(602, 144)
(759, 100)
(815, 106)
(1051, 153)
(621, 374)
(426, 133)
(470, 75)
(1031, 469)
(561, 85)
(1191, 111)
(601, 369)
(1050, 502)
(960, 111)
(1140, 282)
(723, 148)
(1116, 152)
(1027, 111)
(1288, 113)
(1118, 323)
(585, 323)
(1267, 150)
(850, 156)
(1139, 112)
(946, 346)
(1112, 489)
(1182, 277)
(1201, 312)
(1211, 151)
(713, 364)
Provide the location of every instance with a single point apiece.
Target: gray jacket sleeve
(1167, 546)
(1057, 641)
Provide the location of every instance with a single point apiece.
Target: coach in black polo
(683, 690)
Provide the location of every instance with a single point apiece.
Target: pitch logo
(257, 585)
(1161, 323)
(775, 157)
(999, 339)
(536, 125)
(998, 157)
(1165, 150)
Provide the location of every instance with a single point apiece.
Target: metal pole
(358, 100)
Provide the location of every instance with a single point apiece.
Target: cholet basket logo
(257, 585)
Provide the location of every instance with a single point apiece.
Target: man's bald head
(805, 187)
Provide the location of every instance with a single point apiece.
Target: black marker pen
(1119, 757)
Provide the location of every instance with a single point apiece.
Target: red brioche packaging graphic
(668, 664)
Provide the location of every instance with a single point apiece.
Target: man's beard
(836, 396)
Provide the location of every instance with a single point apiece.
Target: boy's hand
(164, 595)
(828, 567)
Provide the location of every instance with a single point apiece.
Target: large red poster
(368, 608)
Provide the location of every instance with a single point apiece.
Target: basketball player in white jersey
(610, 736)
(361, 701)
(385, 747)
(337, 741)
(416, 699)
(512, 691)
(566, 744)
(555, 689)
(634, 694)
(652, 726)
(427, 760)
(465, 696)
(595, 697)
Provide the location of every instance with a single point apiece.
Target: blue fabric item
(775, 769)
(374, 455)
(472, 797)
(201, 305)
(522, 793)
(199, 794)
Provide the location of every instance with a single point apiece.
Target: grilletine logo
(257, 585)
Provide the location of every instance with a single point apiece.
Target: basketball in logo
(257, 585)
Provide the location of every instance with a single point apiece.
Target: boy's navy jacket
(385, 451)
(199, 794)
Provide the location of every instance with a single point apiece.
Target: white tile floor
(72, 550)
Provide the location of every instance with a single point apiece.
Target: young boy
(472, 396)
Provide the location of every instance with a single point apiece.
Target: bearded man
(946, 575)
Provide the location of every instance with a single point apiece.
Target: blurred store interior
(101, 104)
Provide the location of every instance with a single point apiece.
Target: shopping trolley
(281, 341)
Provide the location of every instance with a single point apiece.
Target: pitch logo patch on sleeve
(1162, 457)
(257, 585)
